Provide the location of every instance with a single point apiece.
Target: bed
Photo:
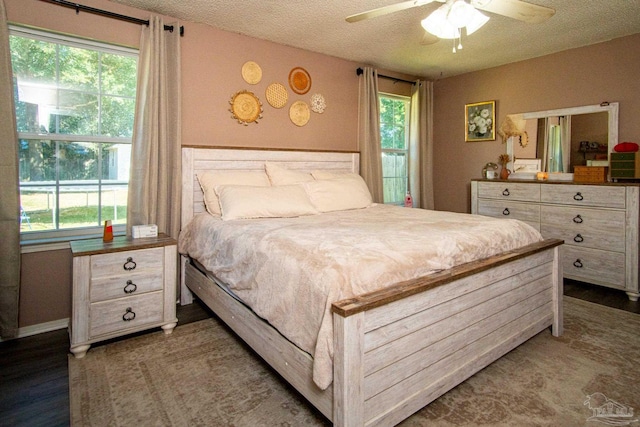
(398, 347)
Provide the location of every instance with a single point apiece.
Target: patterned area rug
(202, 375)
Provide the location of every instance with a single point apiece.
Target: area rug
(203, 375)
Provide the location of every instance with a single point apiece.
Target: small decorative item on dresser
(504, 159)
(107, 235)
(595, 174)
(490, 171)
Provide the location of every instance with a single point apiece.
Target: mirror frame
(610, 107)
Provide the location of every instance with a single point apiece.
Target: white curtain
(421, 145)
(155, 181)
(9, 192)
(369, 133)
(565, 142)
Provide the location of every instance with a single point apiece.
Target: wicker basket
(590, 173)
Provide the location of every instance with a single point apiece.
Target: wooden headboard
(199, 160)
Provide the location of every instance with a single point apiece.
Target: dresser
(599, 224)
(121, 287)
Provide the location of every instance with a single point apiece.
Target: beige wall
(589, 75)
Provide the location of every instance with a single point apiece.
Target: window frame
(67, 234)
(407, 101)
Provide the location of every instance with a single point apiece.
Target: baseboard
(41, 328)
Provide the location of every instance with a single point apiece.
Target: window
(75, 102)
(394, 139)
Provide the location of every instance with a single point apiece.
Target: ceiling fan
(447, 21)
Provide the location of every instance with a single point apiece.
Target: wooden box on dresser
(598, 222)
(121, 287)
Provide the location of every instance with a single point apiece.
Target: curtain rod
(359, 72)
(79, 7)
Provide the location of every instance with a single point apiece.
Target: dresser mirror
(567, 137)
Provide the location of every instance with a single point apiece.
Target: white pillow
(209, 180)
(339, 194)
(281, 176)
(283, 201)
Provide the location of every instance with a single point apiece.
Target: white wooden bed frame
(402, 347)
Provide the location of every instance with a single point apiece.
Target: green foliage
(393, 122)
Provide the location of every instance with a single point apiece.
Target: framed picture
(527, 165)
(480, 119)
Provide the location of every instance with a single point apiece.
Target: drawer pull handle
(578, 238)
(506, 211)
(578, 196)
(129, 315)
(130, 287)
(506, 192)
(130, 264)
(578, 263)
(578, 219)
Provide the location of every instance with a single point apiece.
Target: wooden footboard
(400, 348)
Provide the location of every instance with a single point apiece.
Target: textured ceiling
(393, 42)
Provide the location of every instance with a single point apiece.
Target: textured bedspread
(290, 270)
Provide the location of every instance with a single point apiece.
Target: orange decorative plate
(299, 80)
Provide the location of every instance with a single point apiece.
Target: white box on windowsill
(141, 231)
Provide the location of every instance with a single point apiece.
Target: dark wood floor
(34, 385)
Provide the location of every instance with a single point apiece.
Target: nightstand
(124, 286)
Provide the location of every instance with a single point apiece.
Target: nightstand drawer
(123, 263)
(105, 288)
(111, 316)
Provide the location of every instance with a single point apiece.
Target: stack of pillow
(277, 192)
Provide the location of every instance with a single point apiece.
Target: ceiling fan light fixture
(438, 25)
(446, 21)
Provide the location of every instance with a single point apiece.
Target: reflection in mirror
(566, 138)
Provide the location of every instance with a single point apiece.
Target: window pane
(119, 75)
(78, 162)
(37, 208)
(77, 114)
(394, 177)
(114, 204)
(78, 68)
(37, 161)
(117, 117)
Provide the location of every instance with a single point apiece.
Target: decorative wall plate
(317, 103)
(251, 72)
(299, 113)
(245, 107)
(299, 80)
(277, 95)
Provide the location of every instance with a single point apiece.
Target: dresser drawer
(123, 263)
(584, 195)
(105, 288)
(509, 210)
(580, 219)
(109, 316)
(586, 238)
(509, 191)
(594, 266)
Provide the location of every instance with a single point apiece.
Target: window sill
(55, 243)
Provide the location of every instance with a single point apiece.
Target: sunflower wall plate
(245, 107)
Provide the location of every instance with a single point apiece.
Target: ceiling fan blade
(428, 39)
(385, 10)
(516, 9)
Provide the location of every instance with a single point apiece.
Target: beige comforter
(290, 270)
